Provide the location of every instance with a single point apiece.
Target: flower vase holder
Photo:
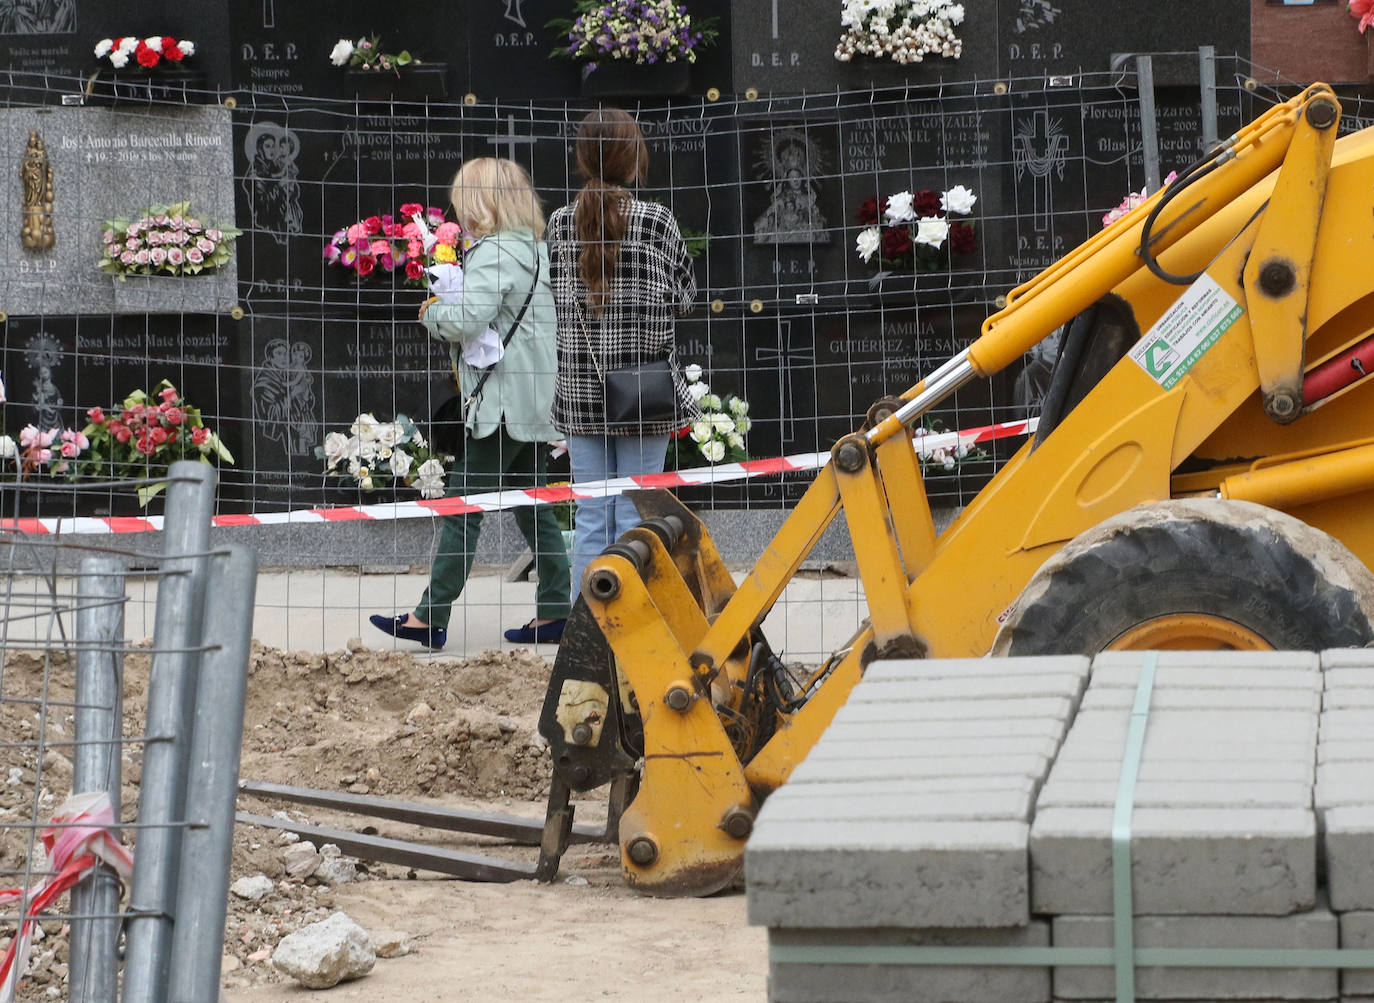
(133, 87)
(142, 294)
(621, 78)
(425, 82)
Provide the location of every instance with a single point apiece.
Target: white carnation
(103, 48)
(8, 449)
(119, 60)
(738, 407)
(187, 48)
(342, 52)
(154, 42)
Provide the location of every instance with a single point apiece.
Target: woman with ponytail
(620, 275)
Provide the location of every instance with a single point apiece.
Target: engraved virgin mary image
(284, 402)
(37, 17)
(274, 194)
(792, 217)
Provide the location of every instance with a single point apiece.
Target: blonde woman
(506, 287)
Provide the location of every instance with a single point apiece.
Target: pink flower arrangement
(164, 240)
(394, 243)
(1134, 199)
(1364, 10)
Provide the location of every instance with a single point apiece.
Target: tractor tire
(1194, 574)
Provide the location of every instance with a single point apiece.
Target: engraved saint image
(274, 194)
(37, 17)
(43, 354)
(284, 401)
(792, 216)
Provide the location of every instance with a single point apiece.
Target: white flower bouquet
(379, 454)
(718, 435)
(917, 230)
(905, 31)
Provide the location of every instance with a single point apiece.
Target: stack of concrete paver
(1344, 801)
(1223, 834)
(969, 803)
(908, 824)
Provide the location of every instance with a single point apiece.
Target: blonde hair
(490, 194)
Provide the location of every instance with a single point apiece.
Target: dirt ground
(460, 733)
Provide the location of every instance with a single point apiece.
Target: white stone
(254, 888)
(301, 859)
(324, 954)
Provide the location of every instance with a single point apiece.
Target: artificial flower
(905, 31)
(868, 241)
(632, 31)
(899, 208)
(959, 199)
(1364, 10)
(342, 52)
(931, 230)
(154, 243)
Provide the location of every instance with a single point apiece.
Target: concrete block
(1060, 793)
(846, 742)
(931, 786)
(1200, 770)
(884, 874)
(1234, 861)
(823, 768)
(800, 804)
(1352, 724)
(1226, 747)
(1006, 687)
(1344, 783)
(960, 668)
(1357, 932)
(1348, 839)
(1208, 667)
(844, 725)
(1218, 726)
(1345, 658)
(1057, 708)
(821, 983)
(1315, 929)
(1251, 698)
(1345, 751)
(1348, 698)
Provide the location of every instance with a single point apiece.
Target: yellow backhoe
(1202, 477)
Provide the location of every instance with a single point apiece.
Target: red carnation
(926, 203)
(414, 269)
(896, 242)
(365, 264)
(373, 225)
(963, 238)
(170, 51)
(146, 56)
(867, 214)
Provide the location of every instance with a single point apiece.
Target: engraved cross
(510, 139)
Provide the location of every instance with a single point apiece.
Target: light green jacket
(497, 273)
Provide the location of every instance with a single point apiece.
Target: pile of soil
(368, 722)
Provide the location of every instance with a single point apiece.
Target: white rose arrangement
(718, 435)
(905, 31)
(378, 454)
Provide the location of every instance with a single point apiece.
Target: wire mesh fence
(117, 739)
(779, 196)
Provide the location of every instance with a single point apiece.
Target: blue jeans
(600, 521)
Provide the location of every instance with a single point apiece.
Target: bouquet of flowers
(144, 435)
(916, 230)
(718, 435)
(378, 453)
(1134, 199)
(366, 54)
(164, 240)
(146, 52)
(633, 31)
(395, 243)
(905, 31)
(946, 458)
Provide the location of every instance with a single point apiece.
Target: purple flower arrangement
(633, 31)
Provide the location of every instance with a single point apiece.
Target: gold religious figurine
(36, 174)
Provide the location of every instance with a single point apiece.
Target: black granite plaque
(1039, 38)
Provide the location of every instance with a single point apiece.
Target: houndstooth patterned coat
(653, 280)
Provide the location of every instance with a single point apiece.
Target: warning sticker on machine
(1185, 331)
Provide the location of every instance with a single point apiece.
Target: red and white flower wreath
(146, 52)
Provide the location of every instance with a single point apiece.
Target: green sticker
(1180, 337)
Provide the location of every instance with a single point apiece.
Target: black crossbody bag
(448, 428)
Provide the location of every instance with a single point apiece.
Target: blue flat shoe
(431, 637)
(545, 633)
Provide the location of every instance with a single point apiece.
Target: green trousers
(491, 464)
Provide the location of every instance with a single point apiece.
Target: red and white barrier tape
(78, 838)
(496, 501)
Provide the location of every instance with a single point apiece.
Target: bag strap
(486, 374)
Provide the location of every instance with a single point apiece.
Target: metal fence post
(1207, 81)
(171, 694)
(1149, 128)
(216, 738)
(94, 960)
